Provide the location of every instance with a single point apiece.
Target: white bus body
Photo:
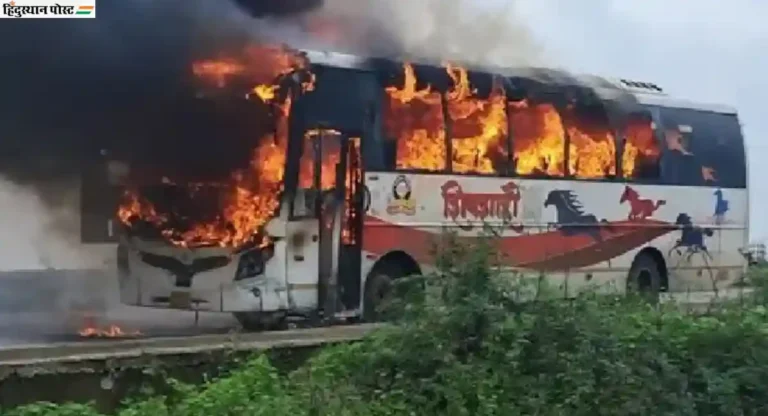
(579, 232)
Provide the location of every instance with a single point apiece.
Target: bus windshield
(225, 210)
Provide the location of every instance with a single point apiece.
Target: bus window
(478, 126)
(592, 146)
(538, 139)
(327, 142)
(703, 148)
(329, 148)
(413, 118)
(641, 154)
(341, 98)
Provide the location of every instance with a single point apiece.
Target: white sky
(704, 50)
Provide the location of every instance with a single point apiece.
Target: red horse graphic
(640, 208)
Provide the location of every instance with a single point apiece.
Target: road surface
(44, 306)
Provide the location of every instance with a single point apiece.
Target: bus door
(331, 165)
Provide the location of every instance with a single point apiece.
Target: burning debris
(91, 329)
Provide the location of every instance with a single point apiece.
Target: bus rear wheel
(644, 278)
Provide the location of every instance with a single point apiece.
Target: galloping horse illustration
(639, 208)
(571, 219)
(691, 239)
(721, 207)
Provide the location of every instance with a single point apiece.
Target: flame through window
(419, 118)
(465, 123)
(251, 195)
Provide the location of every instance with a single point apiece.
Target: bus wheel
(378, 292)
(645, 278)
(257, 321)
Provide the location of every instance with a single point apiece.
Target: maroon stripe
(548, 250)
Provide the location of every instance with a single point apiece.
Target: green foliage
(464, 342)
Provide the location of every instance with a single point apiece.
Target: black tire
(378, 291)
(644, 278)
(257, 321)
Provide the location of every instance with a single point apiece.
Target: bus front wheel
(378, 292)
(257, 321)
(645, 277)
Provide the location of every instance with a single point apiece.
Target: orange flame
(419, 118)
(479, 126)
(217, 71)
(329, 158)
(253, 193)
(92, 330)
(415, 119)
(640, 147)
(539, 138)
(592, 146)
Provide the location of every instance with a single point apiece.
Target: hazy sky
(703, 50)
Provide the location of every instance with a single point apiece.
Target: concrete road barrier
(105, 372)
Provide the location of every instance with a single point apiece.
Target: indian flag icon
(85, 10)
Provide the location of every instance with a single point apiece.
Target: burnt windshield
(702, 148)
(342, 99)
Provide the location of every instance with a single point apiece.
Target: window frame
(657, 136)
(613, 127)
(700, 112)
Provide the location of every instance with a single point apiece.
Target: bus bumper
(214, 290)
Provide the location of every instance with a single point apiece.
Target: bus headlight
(252, 263)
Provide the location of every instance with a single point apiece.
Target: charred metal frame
(448, 126)
(537, 90)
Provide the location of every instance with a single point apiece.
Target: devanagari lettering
(59, 9)
(13, 11)
(34, 9)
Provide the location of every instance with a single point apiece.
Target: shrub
(472, 347)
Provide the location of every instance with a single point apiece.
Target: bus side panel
(577, 233)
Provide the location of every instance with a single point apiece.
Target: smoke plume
(459, 30)
(122, 82)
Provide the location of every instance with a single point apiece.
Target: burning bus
(356, 164)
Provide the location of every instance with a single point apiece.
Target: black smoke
(72, 88)
(278, 8)
(121, 84)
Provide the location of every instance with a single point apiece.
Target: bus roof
(606, 88)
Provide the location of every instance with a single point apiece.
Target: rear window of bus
(702, 148)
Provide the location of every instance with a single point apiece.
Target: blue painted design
(721, 207)
(692, 238)
(571, 218)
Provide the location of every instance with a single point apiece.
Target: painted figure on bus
(401, 201)
(640, 208)
(692, 238)
(721, 207)
(571, 218)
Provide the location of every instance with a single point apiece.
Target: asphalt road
(52, 305)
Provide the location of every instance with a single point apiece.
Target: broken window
(641, 153)
(326, 144)
(413, 118)
(478, 125)
(538, 139)
(592, 146)
(703, 148)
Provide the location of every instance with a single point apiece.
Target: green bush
(471, 347)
